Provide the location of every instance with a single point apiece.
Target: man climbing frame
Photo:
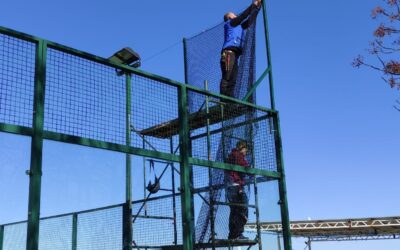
(235, 183)
(232, 48)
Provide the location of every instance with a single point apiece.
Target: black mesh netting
(202, 58)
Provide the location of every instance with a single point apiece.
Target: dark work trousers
(229, 69)
(238, 214)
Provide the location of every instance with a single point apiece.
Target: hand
(257, 3)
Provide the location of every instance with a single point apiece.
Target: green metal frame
(38, 135)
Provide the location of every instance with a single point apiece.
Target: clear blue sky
(340, 132)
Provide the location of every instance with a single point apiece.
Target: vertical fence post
(171, 144)
(186, 196)
(210, 176)
(35, 172)
(74, 231)
(287, 242)
(127, 208)
(1, 237)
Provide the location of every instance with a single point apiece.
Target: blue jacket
(233, 35)
(233, 28)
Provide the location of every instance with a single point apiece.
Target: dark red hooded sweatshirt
(237, 158)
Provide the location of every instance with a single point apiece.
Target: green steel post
(171, 144)
(271, 82)
(186, 196)
(35, 172)
(253, 158)
(74, 231)
(211, 192)
(127, 210)
(287, 242)
(1, 237)
(144, 177)
(184, 60)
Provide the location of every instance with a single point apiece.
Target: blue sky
(339, 129)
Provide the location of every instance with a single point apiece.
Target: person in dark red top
(235, 182)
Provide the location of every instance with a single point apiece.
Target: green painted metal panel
(35, 173)
(186, 196)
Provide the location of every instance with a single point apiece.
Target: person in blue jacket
(232, 48)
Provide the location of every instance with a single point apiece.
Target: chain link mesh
(84, 98)
(17, 64)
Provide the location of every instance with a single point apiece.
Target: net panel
(84, 98)
(15, 236)
(154, 104)
(100, 229)
(155, 223)
(202, 60)
(17, 75)
(56, 233)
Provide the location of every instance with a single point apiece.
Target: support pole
(127, 209)
(268, 47)
(259, 240)
(282, 185)
(74, 231)
(35, 172)
(1, 237)
(210, 183)
(185, 60)
(144, 177)
(186, 186)
(173, 192)
(309, 243)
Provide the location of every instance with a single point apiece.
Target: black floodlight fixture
(126, 56)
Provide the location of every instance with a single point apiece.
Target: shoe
(242, 237)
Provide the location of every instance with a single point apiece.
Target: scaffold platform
(197, 120)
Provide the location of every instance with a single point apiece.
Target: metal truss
(339, 230)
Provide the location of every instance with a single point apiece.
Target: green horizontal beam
(226, 166)
(15, 129)
(69, 214)
(20, 35)
(109, 146)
